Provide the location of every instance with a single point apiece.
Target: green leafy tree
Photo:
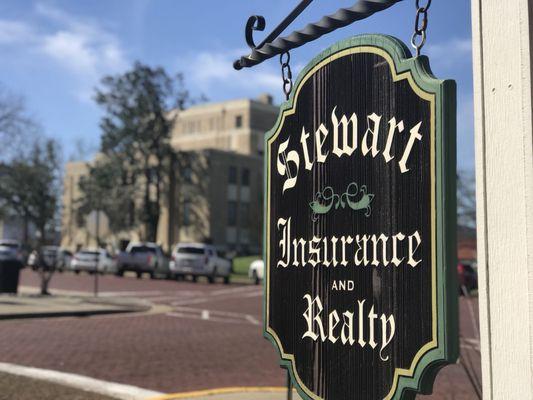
(136, 130)
(106, 188)
(30, 186)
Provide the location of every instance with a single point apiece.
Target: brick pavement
(211, 338)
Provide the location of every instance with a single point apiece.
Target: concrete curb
(110, 389)
(27, 306)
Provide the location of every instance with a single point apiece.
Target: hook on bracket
(274, 45)
(254, 23)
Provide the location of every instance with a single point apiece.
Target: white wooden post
(504, 172)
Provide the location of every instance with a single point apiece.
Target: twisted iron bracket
(273, 45)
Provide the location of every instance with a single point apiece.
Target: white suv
(198, 259)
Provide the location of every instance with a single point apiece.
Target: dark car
(467, 277)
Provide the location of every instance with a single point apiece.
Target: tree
(106, 189)
(136, 130)
(30, 186)
(466, 199)
(14, 123)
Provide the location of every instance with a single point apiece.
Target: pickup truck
(198, 259)
(143, 258)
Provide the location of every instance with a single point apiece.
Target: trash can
(9, 276)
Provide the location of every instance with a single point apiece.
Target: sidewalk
(30, 305)
(235, 393)
(14, 387)
(25, 383)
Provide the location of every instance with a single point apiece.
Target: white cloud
(213, 72)
(80, 46)
(449, 53)
(15, 32)
(82, 54)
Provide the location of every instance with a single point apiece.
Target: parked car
(467, 277)
(256, 272)
(198, 259)
(93, 260)
(53, 256)
(12, 250)
(64, 259)
(143, 258)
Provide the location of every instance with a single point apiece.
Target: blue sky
(55, 52)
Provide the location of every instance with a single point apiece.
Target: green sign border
(420, 377)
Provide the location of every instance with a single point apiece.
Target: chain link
(421, 23)
(286, 73)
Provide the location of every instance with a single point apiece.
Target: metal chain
(421, 23)
(286, 73)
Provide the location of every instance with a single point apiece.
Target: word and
(331, 328)
(361, 250)
(344, 143)
(343, 284)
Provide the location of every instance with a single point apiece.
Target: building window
(232, 213)
(238, 121)
(245, 177)
(186, 213)
(245, 214)
(232, 176)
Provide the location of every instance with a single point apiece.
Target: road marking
(470, 343)
(253, 320)
(198, 317)
(132, 293)
(191, 301)
(226, 390)
(254, 294)
(221, 295)
(110, 389)
(471, 340)
(214, 316)
(232, 290)
(470, 347)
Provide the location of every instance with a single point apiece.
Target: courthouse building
(215, 182)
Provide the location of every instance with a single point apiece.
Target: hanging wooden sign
(360, 287)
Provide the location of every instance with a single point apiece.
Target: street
(196, 336)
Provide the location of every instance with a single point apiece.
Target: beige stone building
(236, 126)
(215, 181)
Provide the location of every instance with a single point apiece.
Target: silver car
(91, 260)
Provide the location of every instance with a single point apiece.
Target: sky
(54, 53)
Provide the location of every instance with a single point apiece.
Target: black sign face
(361, 298)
